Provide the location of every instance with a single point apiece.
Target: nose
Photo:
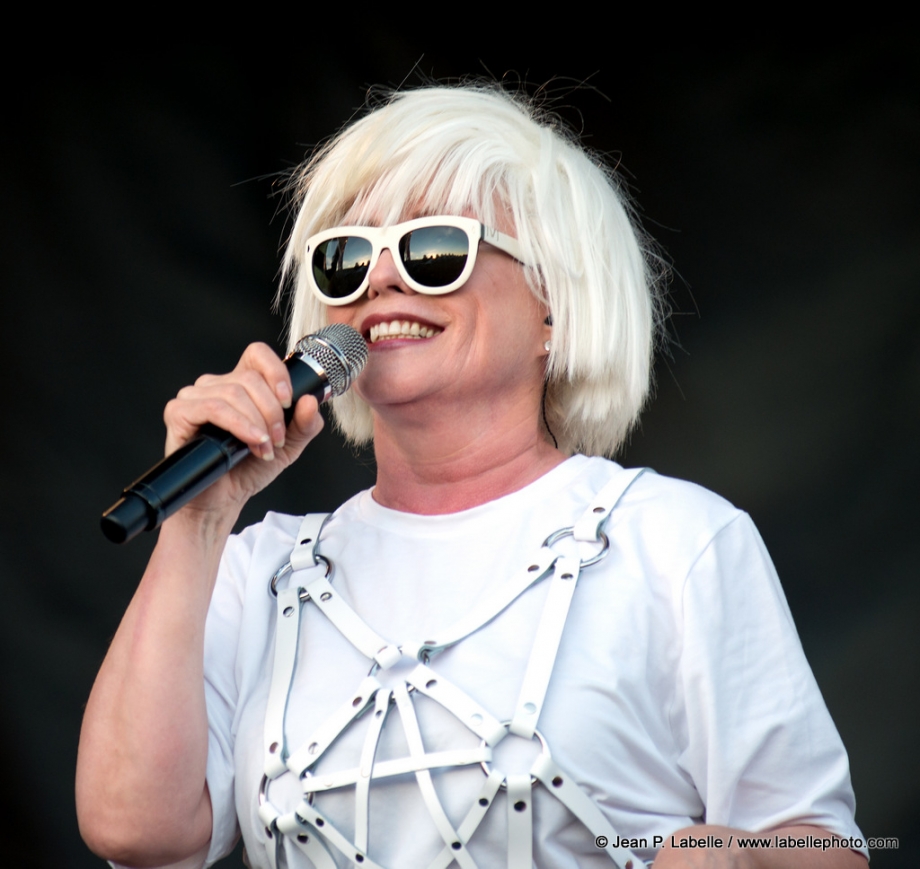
(384, 277)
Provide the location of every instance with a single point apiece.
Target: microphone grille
(340, 350)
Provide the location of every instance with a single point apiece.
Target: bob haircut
(479, 150)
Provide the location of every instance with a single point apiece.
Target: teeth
(401, 329)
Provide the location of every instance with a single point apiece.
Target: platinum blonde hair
(450, 150)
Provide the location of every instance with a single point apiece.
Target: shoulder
(666, 524)
(655, 501)
(275, 531)
(258, 550)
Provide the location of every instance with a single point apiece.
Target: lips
(401, 329)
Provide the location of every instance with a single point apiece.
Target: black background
(140, 246)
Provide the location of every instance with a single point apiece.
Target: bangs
(403, 193)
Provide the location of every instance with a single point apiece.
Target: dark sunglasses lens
(434, 255)
(340, 264)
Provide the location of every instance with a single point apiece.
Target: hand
(249, 402)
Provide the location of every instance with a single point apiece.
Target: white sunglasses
(433, 255)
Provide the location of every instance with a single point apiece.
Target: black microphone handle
(173, 482)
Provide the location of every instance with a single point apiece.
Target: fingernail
(278, 435)
(268, 455)
(283, 391)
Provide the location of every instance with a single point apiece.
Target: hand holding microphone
(322, 365)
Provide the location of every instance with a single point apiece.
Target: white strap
(472, 820)
(306, 839)
(545, 646)
(466, 710)
(351, 625)
(365, 771)
(601, 506)
(489, 606)
(520, 822)
(268, 815)
(287, 630)
(313, 820)
(564, 789)
(287, 633)
(453, 757)
(321, 738)
(425, 785)
(303, 555)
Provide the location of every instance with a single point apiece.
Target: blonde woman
(511, 651)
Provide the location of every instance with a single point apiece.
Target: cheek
(346, 314)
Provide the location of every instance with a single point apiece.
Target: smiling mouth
(401, 329)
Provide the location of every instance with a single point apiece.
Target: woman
(438, 676)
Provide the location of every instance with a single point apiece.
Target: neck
(460, 461)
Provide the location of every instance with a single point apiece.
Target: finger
(266, 383)
(227, 406)
(261, 361)
(307, 421)
(261, 396)
(260, 357)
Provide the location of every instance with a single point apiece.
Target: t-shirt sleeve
(222, 633)
(759, 742)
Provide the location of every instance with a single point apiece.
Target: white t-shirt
(680, 693)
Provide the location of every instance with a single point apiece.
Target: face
(482, 343)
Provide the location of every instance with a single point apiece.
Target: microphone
(323, 365)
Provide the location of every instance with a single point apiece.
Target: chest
(598, 719)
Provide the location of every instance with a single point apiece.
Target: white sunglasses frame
(388, 238)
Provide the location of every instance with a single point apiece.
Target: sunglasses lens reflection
(340, 264)
(435, 256)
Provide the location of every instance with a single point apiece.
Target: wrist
(205, 529)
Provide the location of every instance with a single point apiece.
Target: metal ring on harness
(263, 789)
(556, 536)
(285, 569)
(544, 749)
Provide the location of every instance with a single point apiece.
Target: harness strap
(545, 646)
(287, 633)
(269, 815)
(520, 822)
(456, 701)
(588, 527)
(303, 555)
(398, 766)
(301, 825)
(488, 606)
(425, 785)
(324, 735)
(365, 771)
(473, 818)
(351, 625)
(584, 808)
(556, 609)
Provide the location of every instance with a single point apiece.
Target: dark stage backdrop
(140, 245)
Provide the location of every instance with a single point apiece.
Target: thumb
(305, 425)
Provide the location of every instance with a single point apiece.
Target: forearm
(141, 795)
(714, 847)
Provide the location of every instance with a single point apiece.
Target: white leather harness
(314, 834)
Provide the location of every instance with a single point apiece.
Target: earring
(546, 345)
